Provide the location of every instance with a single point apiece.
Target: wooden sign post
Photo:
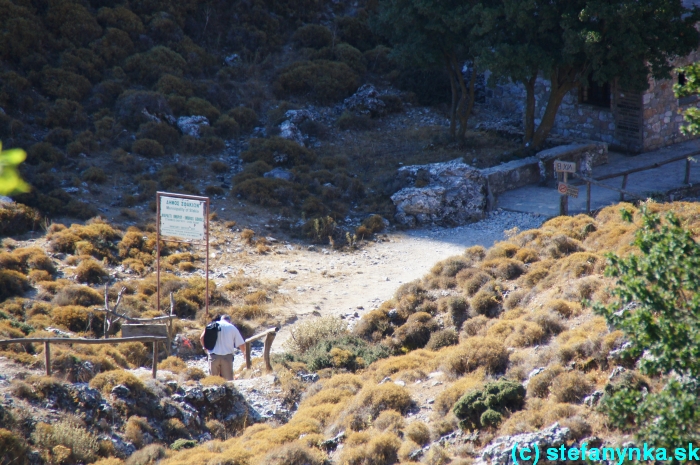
(563, 168)
(185, 217)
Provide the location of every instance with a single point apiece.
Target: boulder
(289, 128)
(453, 193)
(191, 125)
(500, 450)
(366, 101)
(280, 173)
(586, 157)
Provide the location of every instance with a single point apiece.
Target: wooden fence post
(687, 171)
(588, 197)
(155, 357)
(624, 186)
(248, 363)
(266, 352)
(47, 357)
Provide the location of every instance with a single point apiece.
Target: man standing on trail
(221, 356)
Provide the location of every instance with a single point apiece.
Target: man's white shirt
(228, 339)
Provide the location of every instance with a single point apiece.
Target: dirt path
(319, 281)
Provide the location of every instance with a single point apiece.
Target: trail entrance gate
(185, 218)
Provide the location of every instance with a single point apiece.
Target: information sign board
(182, 218)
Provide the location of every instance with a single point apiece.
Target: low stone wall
(586, 156)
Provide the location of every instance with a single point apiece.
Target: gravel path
(349, 284)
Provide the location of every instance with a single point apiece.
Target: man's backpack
(211, 332)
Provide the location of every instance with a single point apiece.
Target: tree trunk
(561, 85)
(530, 108)
(465, 113)
(453, 107)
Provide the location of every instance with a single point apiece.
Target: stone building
(627, 121)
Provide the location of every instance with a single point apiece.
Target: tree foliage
(568, 41)
(434, 33)
(657, 306)
(10, 180)
(689, 88)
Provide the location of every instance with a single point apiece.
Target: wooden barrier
(47, 341)
(269, 336)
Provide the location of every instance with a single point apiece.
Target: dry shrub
(475, 253)
(477, 352)
(571, 387)
(381, 449)
(213, 381)
(407, 448)
(106, 381)
(488, 300)
(379, 397)
(517, 333)
(82, 444)
(247, 236)
(76, 318)
(148, 148)
(12, 283)
(77, 295)
(313, 36)
(134, 429)
(514, 299)
(503, 268)
(173, 363)
(149, 455)
(89, 271)
(418, 432)
(537, 272)
(583, 342)
(549, 321)
(474, 281)
(194, 374)
(416, 332)
(502, 250)
(527, 255)
(389, 420)
(539, 385)
(307, 334)
(474, 327)
(442, 338)
(450, 267)
(563, 308)
(294, 453)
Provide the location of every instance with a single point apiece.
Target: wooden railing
(625, 174)
(47, 341)
(269, 336)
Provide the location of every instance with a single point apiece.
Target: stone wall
(662, 120)
(575, 121)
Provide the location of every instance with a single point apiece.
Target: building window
(595, 94)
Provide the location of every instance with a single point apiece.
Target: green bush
(183, 444)
(59, 136)
(497, 398)
(163, 133)
(113, 46)
(656, 305)
(276, 151)
(416, 332)
(121, 18)
(200, 107)
(43, 152)
(65, 113)
(246, 118)
(350, 121)
(62, 84)
(130, 106)
(72, 21)
(94, 174)
(313, 36)
(356, 32)
(322, 80)
(148, 148)
(360, 353)
(84, 62)
(351, 56)
(227, 127)
(150, 66)
(379, 60)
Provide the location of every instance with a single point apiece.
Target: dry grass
(476, 352)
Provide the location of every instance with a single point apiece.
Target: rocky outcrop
(366, 101)
(191, 125)
(280, 173)
(450, 193)
(500, 450)
(289, 128)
